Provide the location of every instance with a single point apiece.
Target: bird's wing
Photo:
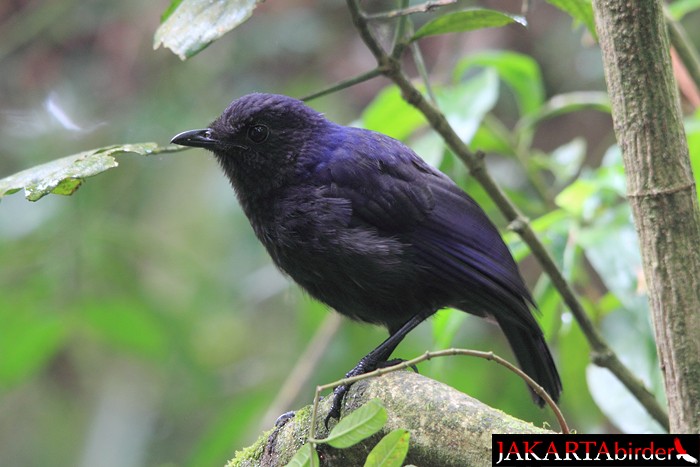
(395, 192)
(463, 247)
(385, 183)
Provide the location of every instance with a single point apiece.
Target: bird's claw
(364, 366)
(284, 418)
(338, 396)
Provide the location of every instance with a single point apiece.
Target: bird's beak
(196, 139)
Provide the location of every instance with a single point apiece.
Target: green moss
(247, 456)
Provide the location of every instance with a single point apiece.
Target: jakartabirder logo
(598, 450)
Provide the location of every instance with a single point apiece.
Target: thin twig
(346, 83)
(441, 353)
(602, 354)
(422, 70)
(314, 413)
(399, 44)
(404, 29)
(422, 8)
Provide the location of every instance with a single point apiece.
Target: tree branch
(602, 353)
(422, 8)
(409, 364)
(346, 83)
(456, 431)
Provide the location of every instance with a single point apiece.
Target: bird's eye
(258, 133)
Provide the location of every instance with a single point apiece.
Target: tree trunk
(661, 189)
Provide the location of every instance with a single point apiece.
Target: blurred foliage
(141, 323)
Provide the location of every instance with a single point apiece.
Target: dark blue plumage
(366, 226)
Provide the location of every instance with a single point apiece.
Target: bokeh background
(141, 323)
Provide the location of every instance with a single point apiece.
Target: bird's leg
(371, 362)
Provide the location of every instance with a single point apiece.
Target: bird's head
(259, 138)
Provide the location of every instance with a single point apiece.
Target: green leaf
(680, 8)
(492, 136)
(692, 131)
(579, 10)
(465, 104)
(64, 176)
(388, 113)
(595, 190)
(519, 72)
(564, 162)
(548, 305)
(567, 103)
(630, 334)
(303, 456)
(568, 158)
(578, 198)
(466, 20)
(557, 222)
(194, 24)
(608, 303)
(552, 225)
(430, 147)
(390, 451)
(611, 245)
(169, 11)
(360, 424)
(446, 323)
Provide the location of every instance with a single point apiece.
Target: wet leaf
(65, 175)
(194, 24)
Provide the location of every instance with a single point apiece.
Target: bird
(366, 226)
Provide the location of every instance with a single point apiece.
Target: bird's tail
(534, 358)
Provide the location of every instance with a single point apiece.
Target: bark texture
(661, 189)
(448, 428)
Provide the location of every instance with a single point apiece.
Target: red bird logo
(682, 453)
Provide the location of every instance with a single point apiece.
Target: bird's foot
(365, 365)
(272, 439)
(338, 396)
(284, 418)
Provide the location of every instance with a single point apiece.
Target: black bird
(367, 227)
